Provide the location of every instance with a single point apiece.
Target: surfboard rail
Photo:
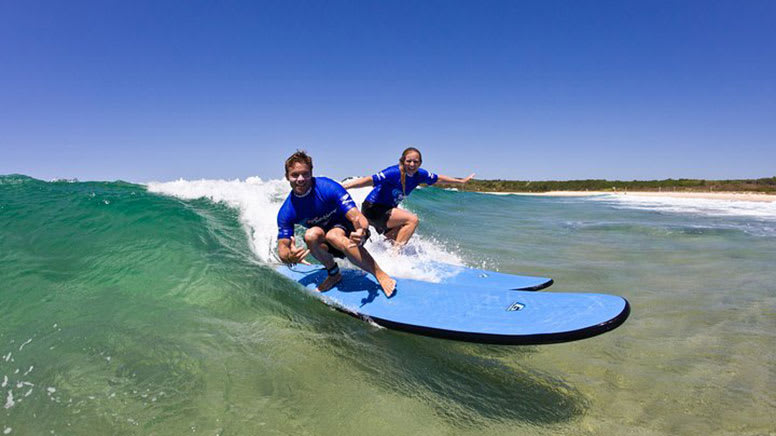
(496, 339)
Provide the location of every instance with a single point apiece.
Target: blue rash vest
(324, 205)
(387, 190)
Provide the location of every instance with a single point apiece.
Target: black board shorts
(377, 214)
(348, 228)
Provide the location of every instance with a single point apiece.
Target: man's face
(301, 178)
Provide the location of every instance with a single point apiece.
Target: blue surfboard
(461, 275)
(494, 314)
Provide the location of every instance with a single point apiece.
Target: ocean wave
(258, 202)
(694, 206)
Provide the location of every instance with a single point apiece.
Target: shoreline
(725, 196)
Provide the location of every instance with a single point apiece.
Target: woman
(391, 186)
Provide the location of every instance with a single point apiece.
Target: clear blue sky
(538, 90)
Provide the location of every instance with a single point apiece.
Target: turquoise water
(130, 309)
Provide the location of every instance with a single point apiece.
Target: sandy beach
(727, 196)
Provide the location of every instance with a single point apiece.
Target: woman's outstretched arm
(358, 183)
(447, 179)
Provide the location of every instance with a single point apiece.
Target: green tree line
(764, 185)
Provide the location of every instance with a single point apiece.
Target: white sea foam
(695, 206)
(258, 203)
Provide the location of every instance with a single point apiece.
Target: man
(335, 227)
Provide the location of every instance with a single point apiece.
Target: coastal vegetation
(763, 185)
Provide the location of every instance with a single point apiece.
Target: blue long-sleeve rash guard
(387, 190)
(324, 205)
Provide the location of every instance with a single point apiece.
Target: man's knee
(313, 235)
(413, 220)
(334, 238)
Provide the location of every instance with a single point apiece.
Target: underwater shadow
(468, 385)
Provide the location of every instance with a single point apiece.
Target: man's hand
(296, 254)
(358, 238)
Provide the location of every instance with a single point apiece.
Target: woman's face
(411, 163)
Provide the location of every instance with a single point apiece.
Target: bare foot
(329, 283)
(386, 282)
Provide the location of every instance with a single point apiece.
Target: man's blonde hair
(300, 156)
